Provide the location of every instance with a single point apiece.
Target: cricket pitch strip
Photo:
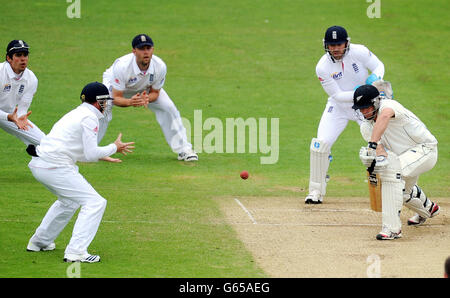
(289, 239)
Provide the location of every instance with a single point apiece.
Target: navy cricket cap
(335, 35)
(364, 97)
(94, 91)
(141, 40)
(16, 46)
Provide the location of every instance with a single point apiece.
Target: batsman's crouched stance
(403, 149)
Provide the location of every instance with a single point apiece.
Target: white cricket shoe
(387, 234)
(314, 198)
(417, 220)
(188, 155)
(34, 247)
(86, 258)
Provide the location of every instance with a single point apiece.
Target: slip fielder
(72, 139)
(341, 69)
(18, 85)
(136, 79)
(403, 149)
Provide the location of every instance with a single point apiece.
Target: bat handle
(371, 168)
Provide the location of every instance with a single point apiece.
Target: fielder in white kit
(136, 79)
(340, 71)
(19, 84)
(73, 138)
(402, 148)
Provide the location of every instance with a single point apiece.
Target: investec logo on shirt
(337, 75)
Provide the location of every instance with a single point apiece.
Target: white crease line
(246, 211)
(310, 210)
(331, 225)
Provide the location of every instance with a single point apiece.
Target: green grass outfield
(229, 59)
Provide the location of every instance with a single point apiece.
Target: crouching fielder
(73, 138)
(403, 149)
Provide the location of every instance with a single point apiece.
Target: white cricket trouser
(169, 120)
(31, 136)
(416, 161)
(334, 120)
(73, 192)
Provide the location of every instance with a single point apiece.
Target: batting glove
(381, 163)
(367, 155)
(372, 78)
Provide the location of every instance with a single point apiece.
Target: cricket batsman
(403, 149)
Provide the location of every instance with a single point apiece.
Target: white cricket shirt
(405, 130)
(16, 90)
(340, 78)
(74, 138)
(125, 75)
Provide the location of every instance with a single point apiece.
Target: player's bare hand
(122, 147)
(146, 97)
(110, 159)
(138, 100)
(22, 121)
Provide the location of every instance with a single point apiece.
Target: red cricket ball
(244, 175)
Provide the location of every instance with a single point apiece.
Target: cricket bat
(374, 183)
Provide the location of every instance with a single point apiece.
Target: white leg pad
(418, 202)
(319, 162)
(392, 193)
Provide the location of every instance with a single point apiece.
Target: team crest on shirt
(355, 67)
(151, 78)
(7, 88)
(21, 88)
(337, 75)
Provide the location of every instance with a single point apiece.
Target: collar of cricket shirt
(93, 109)
(138, 71)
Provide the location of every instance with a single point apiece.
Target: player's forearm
(376, 67)
(4, 116)
(379, 128)
(343, 96)
(153, 96)
(122, 101)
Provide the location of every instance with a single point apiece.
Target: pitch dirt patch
(335, 239)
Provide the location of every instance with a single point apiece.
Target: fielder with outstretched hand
(343, 67)
(72, 139)
(403, 149)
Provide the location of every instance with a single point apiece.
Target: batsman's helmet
(95, 92)
(367, 96)
(16, 46)
(336, 35)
